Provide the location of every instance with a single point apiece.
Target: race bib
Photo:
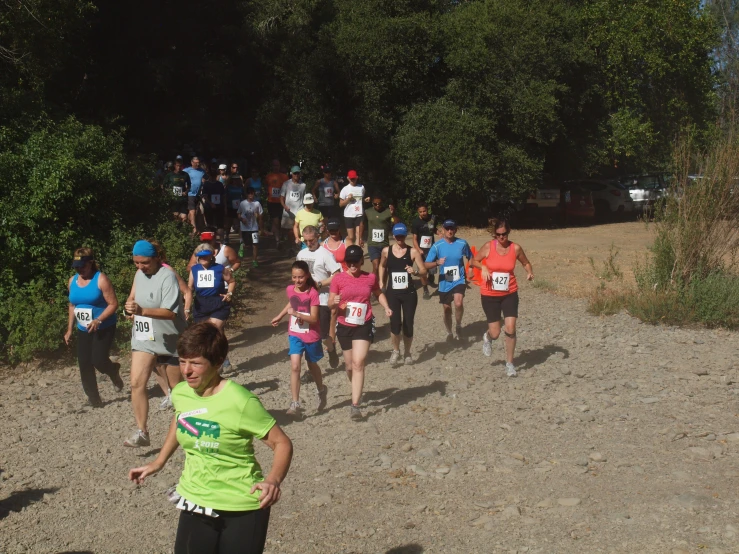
(295, 195)
(399, 280)
(355, 313)
(296, 327)
(143, 328)
(355, 209)
(206, 279)
(328, 192)
(500, 281)
(187, 506)
(215, 198)
(425, 242)
(255, 238)
(84, 316)
(378, 235)
(451, 273)
(275, 193)
(235, 204)
(177, 191)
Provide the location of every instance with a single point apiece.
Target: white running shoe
(166, 404)
(394, 357)
(408, 360)
(138, 438)
(226, 366)
(510, 369)
(487, 345)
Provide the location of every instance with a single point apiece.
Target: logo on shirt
(205, 432)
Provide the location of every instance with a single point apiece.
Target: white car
(611, 198)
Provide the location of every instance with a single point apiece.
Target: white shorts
(288, 220)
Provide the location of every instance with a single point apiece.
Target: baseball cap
(207, 235)
(354, 254)
(352, 174)
(203, 253)
(223, 166)
(333, 223)
(449, 224)
(178, 157)
(400, 230)
(296, 169)
(308, 199)
(326, 168)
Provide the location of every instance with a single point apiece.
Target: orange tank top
(503, 281)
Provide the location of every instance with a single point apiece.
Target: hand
(276, 321)
(68, 336)
(350, 197)
(409, 269)
(388, 312)
(270, 493)
(441, 261)
(297, 241)
(368, 199)
(290, 311)
(530, 277)
(138, 474)
(226, 297)
(361, 243)
(392, 209)
(133, 308)
(337, 300)
(94, 325)
(485, 273)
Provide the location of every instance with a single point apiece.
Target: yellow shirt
(304, 218)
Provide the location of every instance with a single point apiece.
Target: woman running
(351, 294)
(304, 334)
(92, 306)
(396, 263)
(335, 243)
(157, 311)
(208, 282)
(499, 289)
(224, 498)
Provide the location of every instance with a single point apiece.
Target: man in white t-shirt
(322, 267)
(291, 197)
(250, 215)
(351, 198)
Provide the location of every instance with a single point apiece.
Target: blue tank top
(87, 298)
(208, 282)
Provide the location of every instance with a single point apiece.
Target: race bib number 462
(84, 316)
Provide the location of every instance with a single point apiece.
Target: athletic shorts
(206, 307)
(232, 213)
(214, 216)
(353, 222)
(275, 210)
(375, 252)
(494, 305)
(192, 202)
(328, 211)
(324, 320)
(313, 350)
(288, 220)
(346, 334)
(247, 237)
(166, 359)
(180, 205)
(448, 297)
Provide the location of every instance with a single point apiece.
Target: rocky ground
(615, 437)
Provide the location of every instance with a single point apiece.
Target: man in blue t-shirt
(197, 176)
(448, 255)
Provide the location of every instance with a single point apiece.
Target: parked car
(646, 190)
(546, 202)
(611, 198)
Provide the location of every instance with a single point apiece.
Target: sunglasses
(332, 231)
(234, 167)
(501, 234)
(359, 262)
(377, 203)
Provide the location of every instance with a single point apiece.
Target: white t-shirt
(322, 265)
(353, 208)
(250, 211)
(293, 193)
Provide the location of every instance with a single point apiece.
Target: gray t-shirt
(158, 336)
(322, 265)
(293, 193)
(326, 191)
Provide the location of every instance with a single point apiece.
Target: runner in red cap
(350, 198)
(225, 255)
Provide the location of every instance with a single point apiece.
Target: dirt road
(616, 437)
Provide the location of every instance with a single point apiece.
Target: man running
(327, 192)
(449, 254)
(291, 198)
(351, 198)
(322, 267)
(250, 214)
(179, 183)
(380, 222)
(197, 176)
(274, 182)
(214, 194)
(425, 231)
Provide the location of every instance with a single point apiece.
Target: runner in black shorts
(425, 232)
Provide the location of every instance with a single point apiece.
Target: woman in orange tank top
(499, 289)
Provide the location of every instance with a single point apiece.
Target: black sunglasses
(501, 234)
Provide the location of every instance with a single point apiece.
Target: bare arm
(282, 447)
(106, 287)
(138, 474)
(416, 257)
(232, 258)
(192, 262)
(383, 266)
(382, 299)
(276, 320)
(70, 319)
(521, 257)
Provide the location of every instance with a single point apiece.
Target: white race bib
(235, 204)
(328, 192)
(399, 280)
(295, 195)
(500, 281)
(177, 191)
(275, 193)
(355, 209)
(187, 506)
(84, 316)
(255, 238)
(425, 242)
(451, 273)
(143, 328)
(296, 327)
(206, 279)
(378, 235)
(356, 313)
(215, 199)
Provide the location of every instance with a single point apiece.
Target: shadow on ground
(21, 499)
(412, 548)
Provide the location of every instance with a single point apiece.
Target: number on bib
(235, 204)
(295, 195)
(451, 273)
(275, 193)
(187, 506)
(500, 281)
(84, 316)
(215, 198)
(399, 280)
(206, 279)
(255, 238)
(425, 242)
(143, 328)
(355, 313)
(296, 327)
(378, 235)
(356, 209)
(328, 192)
(177, 191)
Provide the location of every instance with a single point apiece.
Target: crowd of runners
(177, 325)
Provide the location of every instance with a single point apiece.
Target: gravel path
(615, 437)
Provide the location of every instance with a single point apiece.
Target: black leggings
(408, 302)
(93, 351)
(230, 533)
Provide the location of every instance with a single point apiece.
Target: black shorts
(166, 359)
(214, 216)
(180, 205)
(494, 305)
(448, 297)
(193, 202)
(353, 222)
(346, 334)
(329, 211)
(206, 307)
(230, 532)
(232, 213)
(247, 237)
(275, 210)
(324, 320)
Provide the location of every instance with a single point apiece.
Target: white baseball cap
(222, 166)
(308, 199)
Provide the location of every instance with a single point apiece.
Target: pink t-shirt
(356, 293)
(302, 302)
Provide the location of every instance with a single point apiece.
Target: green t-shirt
(217, 433)
(177, 183)
(379, 227)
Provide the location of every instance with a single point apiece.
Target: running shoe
(95, 402)
(426, 294)
(254, 263)
(458, 329)
(241, 250)
(408, 360)
(487, 345)
(449, 336)
(166, 403)
(295, 409)
(333, 358)
(355, 413)
(115, 378)
(139, 438)
(394, 357)
(226, 366)
(510, 369)
(306, 378)
(322, 396)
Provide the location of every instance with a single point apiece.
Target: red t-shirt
(356, 293)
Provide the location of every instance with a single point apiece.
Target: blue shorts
(313, 350)
(375, 252)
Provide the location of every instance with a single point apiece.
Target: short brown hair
(85, 251)
(203, 339)
(494, 223)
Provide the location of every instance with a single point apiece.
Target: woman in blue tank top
(92, 307)
(212, 286)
